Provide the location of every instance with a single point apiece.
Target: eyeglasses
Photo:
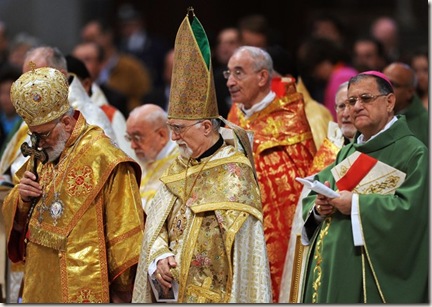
(179, 129)
(238, 74)
(137, 138)
(340, 107)
(44, 135)
(364, 98)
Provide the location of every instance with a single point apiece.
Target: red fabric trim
(278, 86)
(109, 111)
(361, 166)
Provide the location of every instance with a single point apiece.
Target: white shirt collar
(360, 139)
(258, 106)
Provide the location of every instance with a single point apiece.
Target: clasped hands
(326, 206)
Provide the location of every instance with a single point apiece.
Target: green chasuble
(418, 120)
(393, 264)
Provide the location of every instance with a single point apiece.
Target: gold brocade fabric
(190, 68)
(40, 95)
(202, 226)
(90, 248)
(325, 156)
(317, 115)
(12, 150)
(150, 181)
(283, 150)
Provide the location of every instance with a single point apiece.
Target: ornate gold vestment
(89, 248)
(211, 220)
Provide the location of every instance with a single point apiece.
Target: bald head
(146, 127)
(150, 113)
(45, 57)
(404, 82)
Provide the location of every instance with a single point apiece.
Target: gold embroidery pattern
(296, 271)
(208, 271)
(343, 171)
(86, 296)
(79, 181)
(325, 155)
(318, 258)
(203, 293)
(191, 68)
(378, 188)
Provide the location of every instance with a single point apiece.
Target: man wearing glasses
(77, 221)
(338, 135)
(283, 144)
(371, 244)
(149, 137)
(203, 239)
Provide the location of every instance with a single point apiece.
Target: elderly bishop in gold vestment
(77, 226)
(204, 239)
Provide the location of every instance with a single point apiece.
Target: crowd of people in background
(132, 66)
(121, 80)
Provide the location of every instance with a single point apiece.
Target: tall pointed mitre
(192, 94)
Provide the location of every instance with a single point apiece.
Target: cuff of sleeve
(355, 221)
(153, 265)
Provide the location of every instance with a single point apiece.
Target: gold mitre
(40, 95)
(192, 94)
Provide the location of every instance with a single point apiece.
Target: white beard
(56, 151)
(185, 151)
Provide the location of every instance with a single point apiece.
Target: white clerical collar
(258, 106)
(360, 139)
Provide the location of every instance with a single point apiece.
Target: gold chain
(186, 196)
(56, 194)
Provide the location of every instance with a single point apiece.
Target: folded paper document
(318, 187)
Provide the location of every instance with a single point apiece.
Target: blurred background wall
(59, 22)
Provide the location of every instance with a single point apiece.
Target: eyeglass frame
(137, 138)
(363, 98)
(238, 71)
(180, 129)
(340, 107)
(44, 135)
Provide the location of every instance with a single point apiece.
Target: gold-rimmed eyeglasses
(364, 99)
(179, 129)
